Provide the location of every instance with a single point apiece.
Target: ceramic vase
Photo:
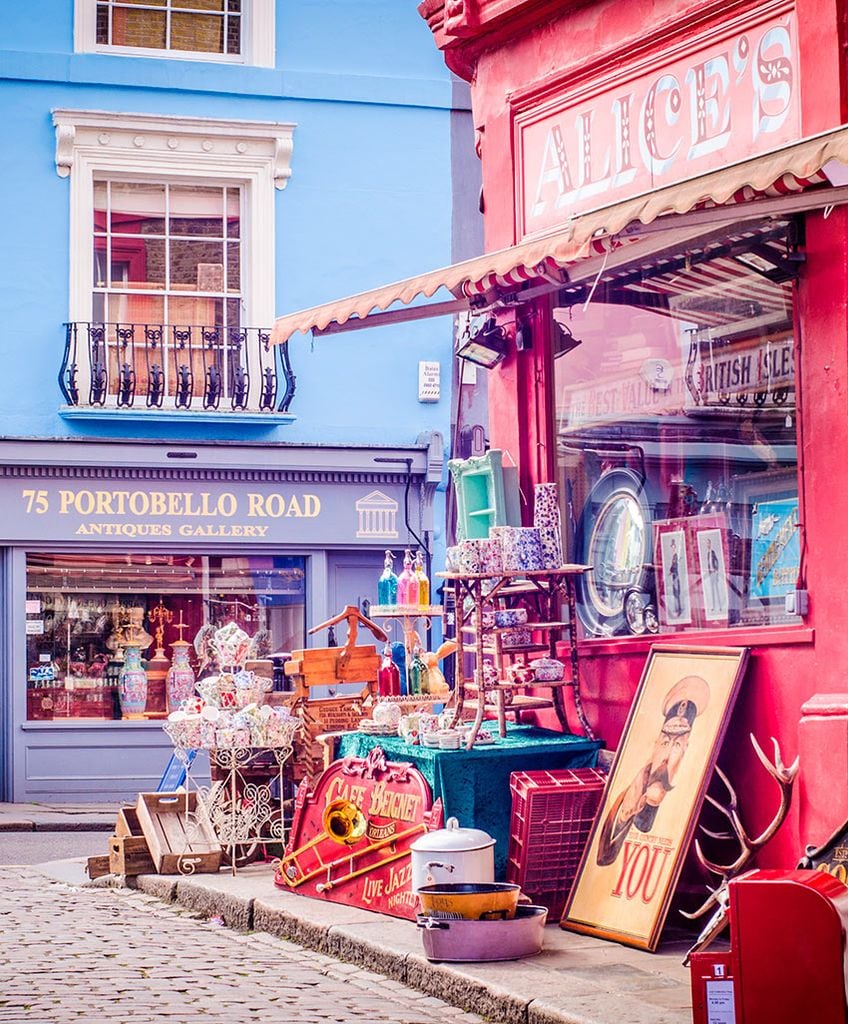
(180, 675)
(133, 682)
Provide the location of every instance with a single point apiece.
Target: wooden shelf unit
(544, 591)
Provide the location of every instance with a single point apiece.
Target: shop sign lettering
(617, 398)
(723, 101)
(762, 370)
(373, 870)
(47, 508)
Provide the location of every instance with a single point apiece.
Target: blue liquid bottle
(387, 584)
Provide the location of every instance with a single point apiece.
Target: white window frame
(257, 35)
(255, 155)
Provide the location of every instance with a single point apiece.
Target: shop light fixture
(484, 342)
(769, 263)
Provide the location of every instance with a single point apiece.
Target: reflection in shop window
(84, 612)
(676, 438)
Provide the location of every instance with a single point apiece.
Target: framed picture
(768, 517)
(651, 804)
(672, 562)
(711, 580)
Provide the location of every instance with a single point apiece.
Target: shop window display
(676, 437)
(94, 622)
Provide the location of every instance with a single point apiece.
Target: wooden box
(323, 666)
(128, 850)
(129, 855)
(95, 867)
(179, 834)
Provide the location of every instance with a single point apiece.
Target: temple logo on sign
(377, 516)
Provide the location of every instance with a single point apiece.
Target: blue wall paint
(369, 202)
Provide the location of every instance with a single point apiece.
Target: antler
(717, 900)
(785, 777)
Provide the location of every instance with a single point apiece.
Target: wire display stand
(244, 804)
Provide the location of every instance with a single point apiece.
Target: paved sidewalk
(575, 980)
(58, 817)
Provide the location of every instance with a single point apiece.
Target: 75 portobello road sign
(727, 98)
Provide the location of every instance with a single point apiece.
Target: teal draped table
(474, 784)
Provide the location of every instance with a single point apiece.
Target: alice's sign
(49, 509)
(725, 99)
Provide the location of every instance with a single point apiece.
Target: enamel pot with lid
(453, 854)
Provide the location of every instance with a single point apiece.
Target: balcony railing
(174, 367)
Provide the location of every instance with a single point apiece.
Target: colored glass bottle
(419, 676)
(423, 581)
(387, 584)
(388, 675)
(407, 592)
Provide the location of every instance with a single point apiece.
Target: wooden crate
(129, 855)
(95, 867)
(128, 850)
(178, 844)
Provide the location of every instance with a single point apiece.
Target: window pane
(197, 32)
(233, 213)
(195, 210)
(100, 200)
(137, 208)
(233, 267)
(92, 606)
(125, 308)
(193, 310)
(197, 266)
(147, 29)
(233, 34)
(233, 313)
(676, 441)
(102, 30)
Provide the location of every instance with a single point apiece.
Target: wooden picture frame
(635, 853)
(713, 591)
(673, 563)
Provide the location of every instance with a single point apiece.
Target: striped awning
(789, 169)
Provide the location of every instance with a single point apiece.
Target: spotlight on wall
(484, 342)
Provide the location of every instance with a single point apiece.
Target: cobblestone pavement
(101, 956)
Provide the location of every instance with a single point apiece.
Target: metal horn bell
(343, 822)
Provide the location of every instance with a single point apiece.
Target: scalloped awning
(785, 170)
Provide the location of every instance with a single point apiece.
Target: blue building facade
(175, 175)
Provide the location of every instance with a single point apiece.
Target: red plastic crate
(552, 814)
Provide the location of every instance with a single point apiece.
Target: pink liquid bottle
(407, 592)
(388, 675)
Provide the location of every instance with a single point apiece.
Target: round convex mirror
(615, 539)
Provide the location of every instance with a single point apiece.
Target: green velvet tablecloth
(474, 784)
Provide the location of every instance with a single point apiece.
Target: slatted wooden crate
(179, 833)
(128, 850)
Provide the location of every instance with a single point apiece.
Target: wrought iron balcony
(174, 367)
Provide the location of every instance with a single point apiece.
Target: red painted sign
(351, 835)
(727, 98)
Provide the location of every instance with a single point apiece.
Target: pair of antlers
(717, 901)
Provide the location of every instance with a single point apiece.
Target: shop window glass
(191, 26)
(82, 611)
(676, 438)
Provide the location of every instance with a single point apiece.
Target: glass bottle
(407, 592)
(387, 584)
(423, 581)
(388, 675)
(419, 675)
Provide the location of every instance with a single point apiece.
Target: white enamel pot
(451, 855)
